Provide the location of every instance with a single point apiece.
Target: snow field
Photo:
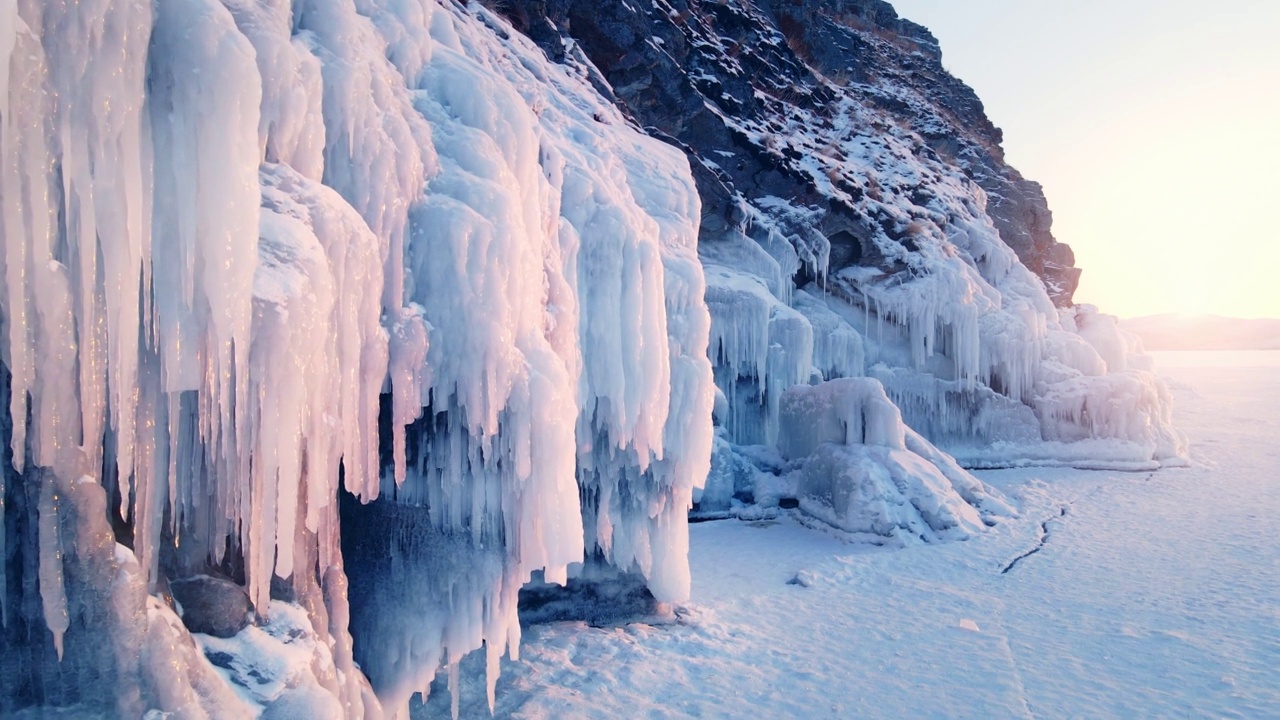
(1149, 594)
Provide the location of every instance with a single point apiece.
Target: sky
(1154, 126)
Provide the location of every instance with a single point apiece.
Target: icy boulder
(283, 666)
(865, 472)
(211, 605)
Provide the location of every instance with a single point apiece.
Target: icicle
(53, 594)
(493, 658)
(455, 689)
(408, 366)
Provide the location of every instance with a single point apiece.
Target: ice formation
(963, 337)
(231, 229)
(272, 268)
(865, 472)
(857, 243)
(581, 354)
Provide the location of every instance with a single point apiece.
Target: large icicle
(53, 593)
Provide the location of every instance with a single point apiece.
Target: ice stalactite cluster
(580, 354)
(152, 154)
(255, 250)
(761, 345)
(925, 297)
(910, 286)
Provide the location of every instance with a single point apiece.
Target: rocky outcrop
(211, 605)
(728, 80)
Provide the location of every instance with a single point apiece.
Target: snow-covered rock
(860, 218)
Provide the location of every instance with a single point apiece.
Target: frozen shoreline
(1152, 594)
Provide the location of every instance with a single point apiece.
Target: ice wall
(582, 353)
(255, 251)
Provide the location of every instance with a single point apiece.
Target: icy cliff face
(230, 231)
(379, 310)
(859, 219)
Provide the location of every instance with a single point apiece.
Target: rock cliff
(729, 79)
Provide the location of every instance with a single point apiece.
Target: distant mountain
(1204, 332)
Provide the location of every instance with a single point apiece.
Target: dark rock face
(727, 80)
(212, 605)
(600, 596)
(903, 63)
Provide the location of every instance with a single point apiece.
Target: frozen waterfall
(230, 228)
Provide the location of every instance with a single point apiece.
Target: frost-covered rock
(283, 666)
(755, 90)
(211, 605)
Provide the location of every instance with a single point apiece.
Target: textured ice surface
(230, 229)
(865, 472)
(934, 304)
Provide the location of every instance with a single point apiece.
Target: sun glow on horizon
(1151, 126)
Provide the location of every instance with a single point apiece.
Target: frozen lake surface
(1122, 595)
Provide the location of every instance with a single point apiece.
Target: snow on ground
(1150, 595)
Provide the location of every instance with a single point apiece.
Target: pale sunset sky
(1154, 126)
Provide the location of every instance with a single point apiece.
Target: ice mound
(865, 472)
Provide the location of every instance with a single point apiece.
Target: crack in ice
(1040, 543)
